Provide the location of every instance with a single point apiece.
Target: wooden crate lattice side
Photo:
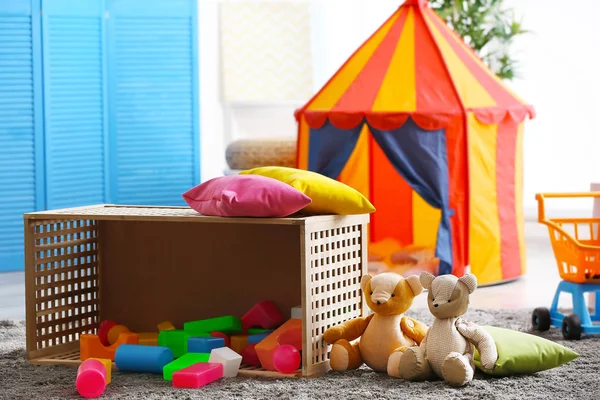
(66, 283)
(336, 269)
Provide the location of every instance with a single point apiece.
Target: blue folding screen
(98, 104)
(21, 133)
(153, 100)
(74, 102)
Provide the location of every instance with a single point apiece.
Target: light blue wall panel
(153, 100)
(21, 134)
(74, 102)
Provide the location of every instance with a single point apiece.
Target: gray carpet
(579, 379)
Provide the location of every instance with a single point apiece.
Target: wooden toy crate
(143, 265)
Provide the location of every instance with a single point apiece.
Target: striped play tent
(420, 125)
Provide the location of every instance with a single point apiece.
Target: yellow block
(166, 326)
(148, 338)
(356, 171)
(398, 90)
(519, 197)
(341, 81)
(108, 365)
(426, 221)
(470, 90)
(484, 226)
(238, 342)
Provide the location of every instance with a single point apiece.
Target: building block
(228, 324)
(148, 338)
(91, 378)
(108, 365)
(204, 344)
(297, 312)
(103, 331)
(91, 347)
(286, 359)
(230, 359)
(138, 358)
(176, 340)
(197, 375)
(183, 362)
(256, 331)
(115, 331)
(288, 333)
(222, 335)
(264, 315)
(259, 337)
(166, 326)
(238, 342)
(249, 356)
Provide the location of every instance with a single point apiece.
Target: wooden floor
(535, 289)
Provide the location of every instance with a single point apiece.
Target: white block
(297, 312)
(230, 359)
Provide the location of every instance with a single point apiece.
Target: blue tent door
(153, 100)
(21, 133)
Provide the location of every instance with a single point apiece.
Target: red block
(264, 315)
(249, 356)
(103, 330)
(197, 375)
(222, 335)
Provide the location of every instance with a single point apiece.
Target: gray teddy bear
(448, 347)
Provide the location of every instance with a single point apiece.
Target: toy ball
(286, 359)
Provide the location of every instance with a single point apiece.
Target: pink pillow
(246, 196)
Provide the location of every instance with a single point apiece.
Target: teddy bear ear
(426, 278)
(415, 284)
(364, 280)
(470, 281)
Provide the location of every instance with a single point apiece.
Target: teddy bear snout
(380, 298)
(435, 305)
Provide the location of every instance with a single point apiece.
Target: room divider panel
(98, 104)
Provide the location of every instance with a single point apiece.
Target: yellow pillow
(328, 196)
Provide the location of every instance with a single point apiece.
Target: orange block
(238, 342)
(166, 326)
(91, 347)
(115, 332)
(108, 365)
(148, 338)
(288, 333)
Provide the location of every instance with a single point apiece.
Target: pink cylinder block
(91, 379)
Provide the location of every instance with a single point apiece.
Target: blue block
(259, 337)
(204, 344)
(138, 358)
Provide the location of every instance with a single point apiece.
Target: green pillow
(522, 353)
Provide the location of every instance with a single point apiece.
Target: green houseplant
(488, 27)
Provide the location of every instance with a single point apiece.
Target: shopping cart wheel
(571, 327)
(540, 319)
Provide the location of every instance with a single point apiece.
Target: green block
(228, 324)
(255, 331)
(177, 340)
(183, 362)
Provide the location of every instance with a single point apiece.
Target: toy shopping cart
(576, 246)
